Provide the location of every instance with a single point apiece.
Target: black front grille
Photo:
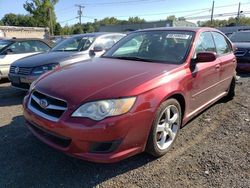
(20, 70)
(53, 109)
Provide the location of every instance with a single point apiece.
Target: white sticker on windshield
(178, 36)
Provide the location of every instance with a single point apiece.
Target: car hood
(100, 78)
(242, 45)
(51, 57)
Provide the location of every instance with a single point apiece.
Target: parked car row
(133, 98)
(76, 48)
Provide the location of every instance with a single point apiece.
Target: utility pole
(79, 12)
(212, 13)
(238, 15)
(51, 22)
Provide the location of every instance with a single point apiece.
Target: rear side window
(221, 43)
(106, 42)
(29, 47)
(205, 43)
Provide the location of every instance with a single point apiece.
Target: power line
(175, 12)
(216, 15)
(68, 20)
(162, 13)
(123, 2)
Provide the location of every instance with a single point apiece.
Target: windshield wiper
(65, 50)
(133, 58)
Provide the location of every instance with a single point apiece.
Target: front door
(204, 79)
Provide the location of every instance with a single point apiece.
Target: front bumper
(21, 81)
(243, 64)
(107, 141)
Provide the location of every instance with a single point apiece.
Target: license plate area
(15, 79)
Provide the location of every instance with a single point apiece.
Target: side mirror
(98, 49)
(203, 57)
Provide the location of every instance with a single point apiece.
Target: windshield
(4, 43)
(240, 37)
(74, 44)
(153, 46)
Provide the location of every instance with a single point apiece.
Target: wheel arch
(181, 99)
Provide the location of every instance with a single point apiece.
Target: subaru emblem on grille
(44, 103)
(16, 70)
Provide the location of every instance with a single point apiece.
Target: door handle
(217, 67)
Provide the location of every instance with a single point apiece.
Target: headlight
(43, 69)
(105, 108)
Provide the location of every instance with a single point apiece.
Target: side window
(221, 44)
(118, 37)
(28, 47)
(19, 47)
(106, 42)
(205, 43)
(40, 47)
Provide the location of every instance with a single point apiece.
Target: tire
(165, 128)
(231, 90)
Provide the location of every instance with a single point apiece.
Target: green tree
(171, 18)
(18, 20)
(58, 29)
(136, 20)
(43, 12)
(66, 30)
(77, 29)
(109, 21)
(181, 19)
(89, 28)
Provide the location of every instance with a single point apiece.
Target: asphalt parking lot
(213, 150)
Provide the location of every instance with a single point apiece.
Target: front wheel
(165, 128)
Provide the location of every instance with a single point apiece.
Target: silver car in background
(74, 49)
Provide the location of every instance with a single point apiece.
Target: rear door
(227, 60)
(205, 78)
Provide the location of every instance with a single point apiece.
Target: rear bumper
(107, 141)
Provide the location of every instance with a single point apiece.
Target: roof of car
(27, 39)
(194, 29)
(96, 34)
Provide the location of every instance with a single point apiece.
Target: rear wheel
(165, 128)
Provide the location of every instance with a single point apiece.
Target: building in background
(145, 25)
(24, 32)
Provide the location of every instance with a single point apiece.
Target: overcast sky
(150, 10)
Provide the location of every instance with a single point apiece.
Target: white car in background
(15, 49)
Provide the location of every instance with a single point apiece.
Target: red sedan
(136, 97)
